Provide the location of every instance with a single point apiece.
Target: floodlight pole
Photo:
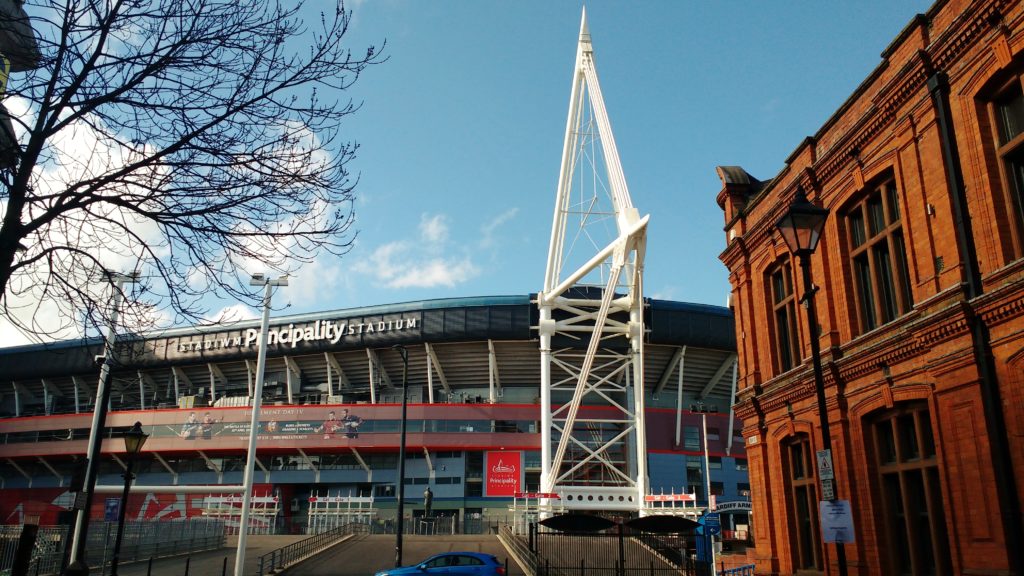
(83, 503)
(401, 455)
(254, 420)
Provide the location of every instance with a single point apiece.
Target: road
(364, 555)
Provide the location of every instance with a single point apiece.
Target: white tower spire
(591, 315)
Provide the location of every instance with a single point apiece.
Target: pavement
(360, 555)
(366, 554)
(211, 563)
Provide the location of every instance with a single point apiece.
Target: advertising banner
(503, 473)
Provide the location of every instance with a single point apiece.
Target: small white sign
(828, 491)
(836, 522)
(825, 470)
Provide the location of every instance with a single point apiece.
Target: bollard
(149, 567)
(188, 561)
(224, 568)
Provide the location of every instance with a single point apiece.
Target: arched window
(878, 254)
(783, 302)
(802, 502)
(1005, 120)
(912, 537)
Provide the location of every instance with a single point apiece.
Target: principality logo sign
(293, 334)
(504, 473)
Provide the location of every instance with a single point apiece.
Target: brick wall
(888, 129)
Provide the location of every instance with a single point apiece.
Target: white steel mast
(591, 316)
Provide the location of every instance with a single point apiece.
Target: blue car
(452, 563)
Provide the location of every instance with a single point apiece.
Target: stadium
(328, 437)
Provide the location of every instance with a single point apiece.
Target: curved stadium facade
(331, 411)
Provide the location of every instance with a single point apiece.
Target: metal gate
(616, 551)
(327, 511)
(263, 512)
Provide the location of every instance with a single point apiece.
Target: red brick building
(920, 276)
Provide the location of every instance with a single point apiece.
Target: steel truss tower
(591, 316)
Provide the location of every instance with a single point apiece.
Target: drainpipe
(995, 424)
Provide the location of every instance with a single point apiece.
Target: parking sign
(111, 507)
(713, 524)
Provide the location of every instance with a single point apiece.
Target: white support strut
(591, 323)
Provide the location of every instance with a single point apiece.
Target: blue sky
(461, 131)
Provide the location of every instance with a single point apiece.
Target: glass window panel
(899, 251)
(856, 222)
(865, 291)
(894, 202)
(691, 437)
(805, 526)
(927, 440)
(909, 447)
(886, 443)
(785, 346)
(778, 287)
(919, 515)
(897, 522)
(1010, 110)
(886, 285)
(1015, 169)
(876, 214)
(797, 461)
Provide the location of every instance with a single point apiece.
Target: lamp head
(802, 224)
(402, 352)
(260, 279)
(134, 438)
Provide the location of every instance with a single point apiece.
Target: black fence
(284, 557)
(616, 551)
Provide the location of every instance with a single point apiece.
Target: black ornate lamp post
(801, 228)
(401, 455)
(134, 438)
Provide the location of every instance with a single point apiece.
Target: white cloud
(437, 272)
(424, 262)
(489, 229)
(434, 229)
(233, 313)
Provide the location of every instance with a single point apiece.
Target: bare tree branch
(188, 140)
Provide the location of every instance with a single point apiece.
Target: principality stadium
(585, 396)
(331, 412)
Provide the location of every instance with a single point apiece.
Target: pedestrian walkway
(211, 562)
(366, 554)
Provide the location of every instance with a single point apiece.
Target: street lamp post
(134, 438)
(801, 228)
(254, 419)
(401, 456)
(83, 500)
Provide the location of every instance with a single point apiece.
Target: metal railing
(154, 539)
(519, 547)
(291, 554)
(142, 540)
(747, 570)
(46, 555)
(618, 551)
